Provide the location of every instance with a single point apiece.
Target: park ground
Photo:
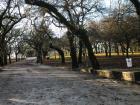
(27, 83)
(114, 62)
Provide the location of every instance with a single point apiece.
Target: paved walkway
(31, 84)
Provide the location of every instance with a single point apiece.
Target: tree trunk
(116, 49)
(16, 57)
(1, 59)
(72, 50)
(9, 58)
(45, 53)
(3, 54)
(39, 57)
(128, 41)
(109, 45)
(95, 47)
(5, 59)
(139, 26)
(73, 57)
(61, 53)
(139, 31)
(122, 48)
(80, 52)
(94, 62)
(127, 49)
(106, 49)
(39, 54)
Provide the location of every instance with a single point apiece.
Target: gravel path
(31, 84)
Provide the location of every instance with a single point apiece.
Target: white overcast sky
(58, 31)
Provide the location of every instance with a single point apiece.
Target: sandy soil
(31, 84)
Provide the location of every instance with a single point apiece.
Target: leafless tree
(10, 15)
(69, 23)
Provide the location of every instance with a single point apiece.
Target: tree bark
(5, 59)
(45, 53)
(39, 57)
(122, 48)
(39, 54)
(116, 48)
(80, 52)
(16, 57)
(3, 54)
(9, 58)
(109, 45)
(1, 59)
(139, 31)
(93, 60)
(127, 49)
(72, 50)
(106, 49)
(96, 48)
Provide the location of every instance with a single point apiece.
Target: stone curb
(126, 75)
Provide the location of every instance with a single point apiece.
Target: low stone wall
(126, 75)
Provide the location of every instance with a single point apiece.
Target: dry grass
(105, 62)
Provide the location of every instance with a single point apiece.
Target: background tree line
(119, 28)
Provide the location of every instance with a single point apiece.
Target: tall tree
(9, 17)
(137, 6)
(78, 31)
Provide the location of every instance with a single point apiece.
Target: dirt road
(31, 84)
